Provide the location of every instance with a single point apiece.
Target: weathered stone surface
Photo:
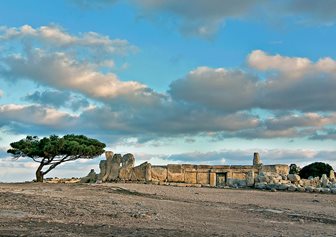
(250, 178)
(212, 179)
(332, 175)
(90, 178)
(291, 188)
(142, 172)
(190, 177)
(283, 186)
(324, 180)
(102, 167)
(203, 178)
(159, 173)
(108, 166)
(127, 165)
(310, 189)
(256, 159)
(333, 190)
(175, 173)
(260, 185)
(325, 190)
(279, 169)
(294, 178)
(301, 189)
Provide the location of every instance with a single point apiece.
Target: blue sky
(172, 82)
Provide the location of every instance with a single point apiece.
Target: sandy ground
(32, 209)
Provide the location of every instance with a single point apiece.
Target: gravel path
(116, 209)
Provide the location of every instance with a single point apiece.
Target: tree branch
(53, 165)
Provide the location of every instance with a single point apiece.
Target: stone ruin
(117, 168)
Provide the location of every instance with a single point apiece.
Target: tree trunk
(39, 173)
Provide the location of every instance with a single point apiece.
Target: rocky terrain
(126, 209)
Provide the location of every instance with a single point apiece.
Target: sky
(171, 81)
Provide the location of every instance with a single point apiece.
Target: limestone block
(142, 172)
(294, 178)
(278, 169)
(250, 179)
(301, 189)
(283, 187)
(190, 177)
(125, 171)
(113, 171)
(212, 179)
(175, 173)
(324, 180)
(102, 167)
(332, 175)
(239, 175)
(203, 178)
(159, 173)
(256, 159)
(108, 165)
(291, 188)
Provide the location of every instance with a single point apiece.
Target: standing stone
(102, 167)
(90, 178)
(250, 178)
(108, 165)
(114, 172)
(332, 175)
(125, 171)
(256, 159)
(324, 180)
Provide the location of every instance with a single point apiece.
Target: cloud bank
(292, 94)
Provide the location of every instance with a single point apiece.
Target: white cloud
(290, 67)
(55, 36)
(219, 88)
(34, 115)
(60, 71)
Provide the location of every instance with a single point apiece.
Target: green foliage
(49, 147)
(53, 150)
(315, 169)
(294, 169)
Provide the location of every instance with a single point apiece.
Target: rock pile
(293, 182)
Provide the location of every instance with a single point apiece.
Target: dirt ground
(31, 209)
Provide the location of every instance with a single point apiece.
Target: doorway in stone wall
(221, 179)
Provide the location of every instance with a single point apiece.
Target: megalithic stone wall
(121, 168)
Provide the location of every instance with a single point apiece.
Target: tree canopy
(315, 169)
(53, 150)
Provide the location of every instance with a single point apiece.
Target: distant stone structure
(267, 177)
(121, 168)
